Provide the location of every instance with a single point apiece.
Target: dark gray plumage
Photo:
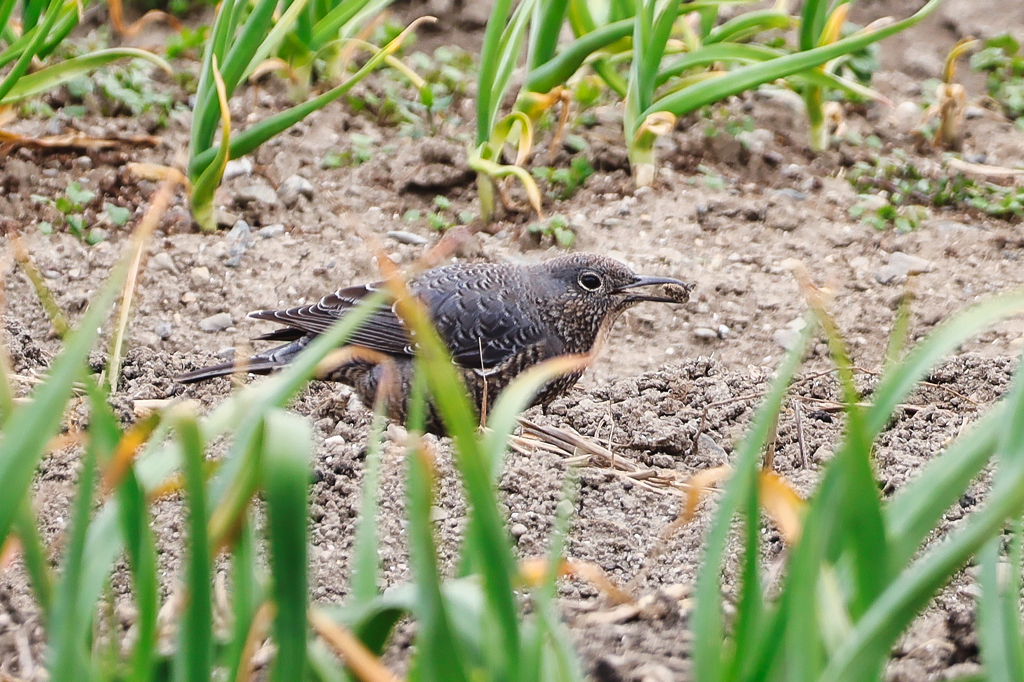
(497, 320)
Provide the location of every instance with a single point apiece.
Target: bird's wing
(382, 331)
(484, 329)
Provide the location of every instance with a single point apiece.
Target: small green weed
(565, 182)
(441, 219)
(906, 185)
(125, 90)
(188, 43)
(556, 228)
(71, 206)
(1003, 61)
(360, 150)
(886, 215)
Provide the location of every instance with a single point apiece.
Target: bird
(497, 320)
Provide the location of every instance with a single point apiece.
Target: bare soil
(725, 215)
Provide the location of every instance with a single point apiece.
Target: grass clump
(1003, 62)
(900, 184)
(859, 568)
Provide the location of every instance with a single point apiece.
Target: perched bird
(496, 319)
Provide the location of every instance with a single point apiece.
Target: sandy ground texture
(728, 213)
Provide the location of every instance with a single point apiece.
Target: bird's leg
(483, 377)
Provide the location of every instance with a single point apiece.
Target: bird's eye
(590, 281)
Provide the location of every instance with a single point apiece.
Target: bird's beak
(677, 291)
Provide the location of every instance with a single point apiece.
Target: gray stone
(783, 216)
(711, 451)
(271, 231)
(518, 530)
(790, 334)
(403, 237)
(163, 330)
(238, 240)
(258, 193)
(237, 168)
(216, 323)
(902, 265)
(292, 188)
(200, 274)
(163, 261)
(705, 333)
(227, 353)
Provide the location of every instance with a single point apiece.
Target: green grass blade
(708, 625)
(863, 653)
(33, 424)
(901, 379)
(912, 514)
(999, 616)
(248, 140)
(750, 607)
(51, 77)
(328, 28)
(34, 554)
(487, 538)
(509, 50)
(31, 49)
(194, 658)
(442, 657)
(486, 108)
(748, 25)
(204, 113)
(30, 13)
(245, 44)
(560, 69)
(204, 186)
(244, 595)
(67, 656)
(812, 22)
(65, 24)
(274, 37)
(142, 556)
(365, 550)
(544, 30)
(745, 78)
(106, 436)
(861, 528)
(242, 414)
(6, 8)
(711, 54)
(516, 397)
(288, 445)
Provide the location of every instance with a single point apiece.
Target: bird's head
(598, 288)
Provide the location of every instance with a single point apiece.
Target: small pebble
(902, 265)
(163, 261)
(518, 530)
(705, 333)
(403, 237)
(216, 323)
(163, 330)
(292, 188)
(226, 353)
(271, 231)
(258, 193)
(239, 239)
(200, 275)
(237, 168)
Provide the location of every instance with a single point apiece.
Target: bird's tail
(255, 366)
(263, 363)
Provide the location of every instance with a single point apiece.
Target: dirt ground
(726, 213)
